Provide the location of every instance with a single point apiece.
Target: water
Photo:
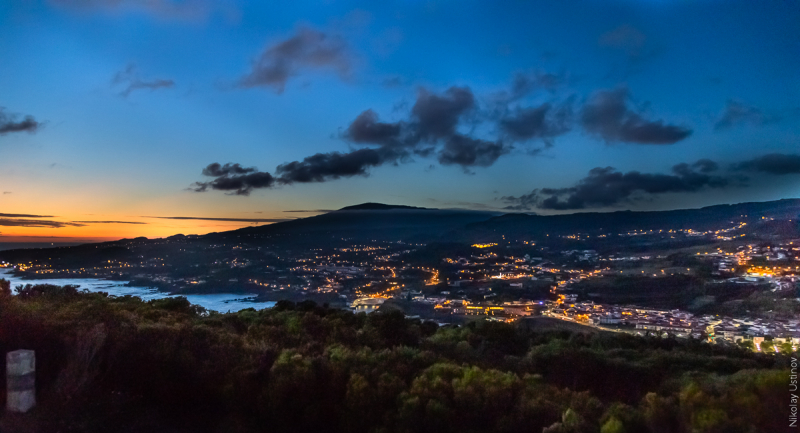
(222, 302)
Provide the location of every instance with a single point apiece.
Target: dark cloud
(130, 80)
(10, 222)
(525, 83)
(243, 220)
(6, 192)
(432, 128)
(307, 49)
(607, 115)
(322, 167)
(434, 118)
(310, 210)
(20, 215)
(773, 163)
(542, 122)
(705, 165)
(9, 123)
(736, 113)
(433, 122)
(471, 152)
(366, 129)
(108, 222)
(234, 179)
(604, 187)
(437, 116)
(215, 169)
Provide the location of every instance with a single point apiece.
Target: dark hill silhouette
(522, 226)
(375, 221)
(380, 206)
(368, 221)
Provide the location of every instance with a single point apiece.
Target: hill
(365, 222)
(379, 206)
(760, 217)
(106, 364)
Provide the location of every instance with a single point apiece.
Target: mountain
(380, 206)
(380, 222)
(762, 218)
(365, 222)
(376, 221)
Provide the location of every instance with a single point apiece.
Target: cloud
(773, 163)
(233, 178)
(215, 169)
(9, 222)
(736, 113)
(432, 129)
(702, 165)
(20, 215)
(605, 186)
(311, 210)
(437, 116)
(525, 83)
(366, 129)
(6, 192)
(433, 117)
(542, 122)
(9, 123)
(130, 80)
(242, 220)
(307, 49)
(471, 152)
(322, 167)
(108, 222)
(433, 122)
(607, 115)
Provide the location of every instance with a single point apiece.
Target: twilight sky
(125, 118)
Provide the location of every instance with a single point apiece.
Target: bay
(222, 302)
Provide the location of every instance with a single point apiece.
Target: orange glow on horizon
(89, 230)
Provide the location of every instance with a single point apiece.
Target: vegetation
(121, 364)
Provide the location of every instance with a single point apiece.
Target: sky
(126, 118)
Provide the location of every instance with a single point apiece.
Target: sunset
(112, 110)
(402, 216)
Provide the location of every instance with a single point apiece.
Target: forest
(121, 364)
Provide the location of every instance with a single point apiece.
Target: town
(727, 289)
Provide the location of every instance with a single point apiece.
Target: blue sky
(131, 99)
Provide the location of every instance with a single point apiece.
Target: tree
(613, 425)
(5, 287)
(747, 344)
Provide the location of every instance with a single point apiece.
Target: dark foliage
(121, 364)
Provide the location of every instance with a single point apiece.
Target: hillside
(108, 364)
(758, 216)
